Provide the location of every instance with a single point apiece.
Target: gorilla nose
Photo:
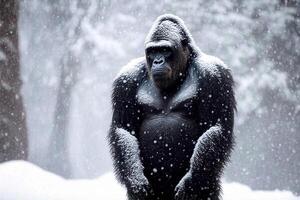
(158, 61)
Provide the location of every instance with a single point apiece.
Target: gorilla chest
(181, 102)
(169, 130)
(168, 136)
(174, 113)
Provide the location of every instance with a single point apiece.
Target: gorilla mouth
(160, 76)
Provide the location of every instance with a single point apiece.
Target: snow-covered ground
(20, 180)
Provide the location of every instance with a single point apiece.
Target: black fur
(173, 143)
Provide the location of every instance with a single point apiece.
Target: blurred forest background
(66, 54)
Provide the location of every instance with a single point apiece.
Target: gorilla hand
(185, 189)
(139, 188)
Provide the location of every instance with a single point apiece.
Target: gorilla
(173, 114)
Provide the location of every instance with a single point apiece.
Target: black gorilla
(173, 113)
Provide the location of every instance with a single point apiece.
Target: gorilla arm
(213, 148)
(123, 143)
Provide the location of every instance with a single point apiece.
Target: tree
(13, 133)
(58, 154)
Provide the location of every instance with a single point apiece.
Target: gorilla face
(159, 60)
(166, 60)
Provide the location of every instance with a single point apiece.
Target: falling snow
(258, 40)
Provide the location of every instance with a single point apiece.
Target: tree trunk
(59, 161)
(13, 133)
(58, 151)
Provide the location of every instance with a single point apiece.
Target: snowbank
(20, 180)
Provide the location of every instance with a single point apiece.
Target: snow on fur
(132, 158)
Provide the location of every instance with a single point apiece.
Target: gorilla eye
(150, 52)
(150, 55)
(167, 51)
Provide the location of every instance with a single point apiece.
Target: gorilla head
(167, 50)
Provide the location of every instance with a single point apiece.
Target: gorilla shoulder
(132, 69)
(131, 73)
(212, 66)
